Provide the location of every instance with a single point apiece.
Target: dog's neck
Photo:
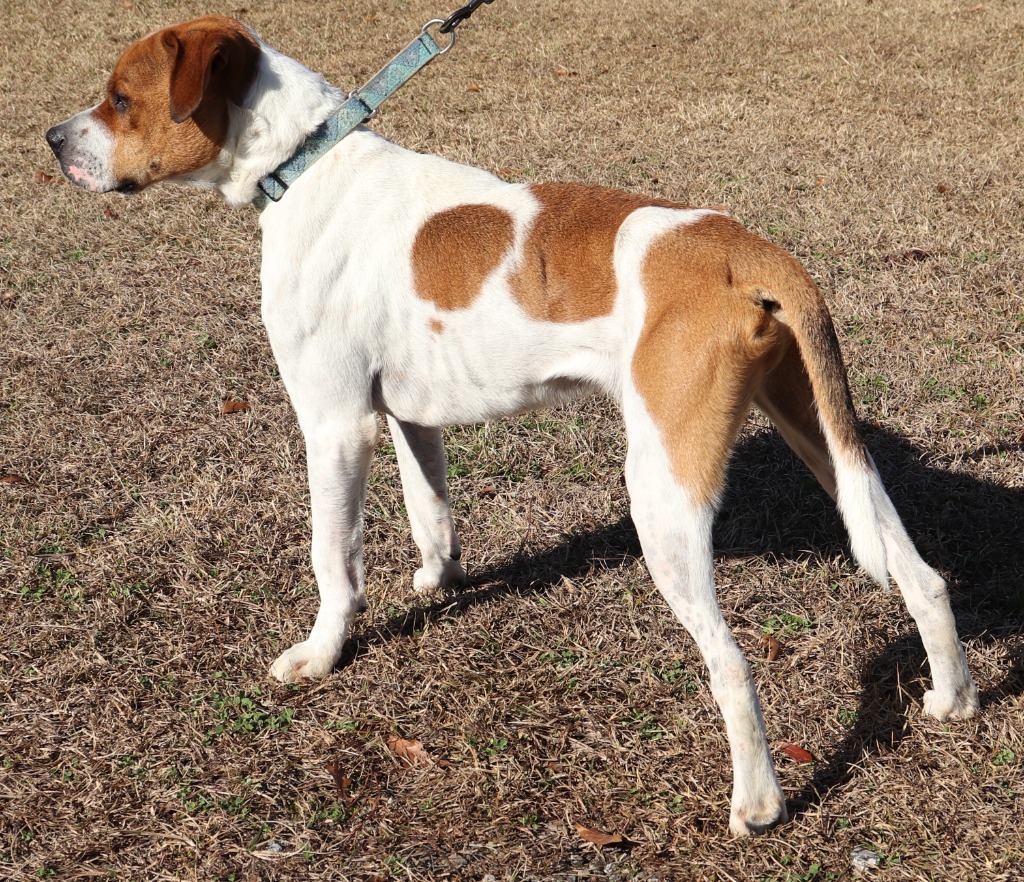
(285, 91)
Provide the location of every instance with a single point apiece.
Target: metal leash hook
(448, 25)
(460, 15)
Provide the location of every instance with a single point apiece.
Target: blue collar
(361, 105)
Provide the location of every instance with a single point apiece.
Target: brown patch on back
(436, 325)
(178, 83)
(456, 250)
(707, 342)
(566, 273)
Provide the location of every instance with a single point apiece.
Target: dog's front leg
(338, 454)
(423, 467)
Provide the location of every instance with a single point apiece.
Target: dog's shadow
(966, 528)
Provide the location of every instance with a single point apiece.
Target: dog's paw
(959, 705)
(303, 661)
(449, 574)
(754, 820)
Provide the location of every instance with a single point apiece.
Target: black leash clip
(449, 25)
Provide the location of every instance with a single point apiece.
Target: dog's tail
(802, 309)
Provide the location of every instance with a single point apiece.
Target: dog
(403, 284)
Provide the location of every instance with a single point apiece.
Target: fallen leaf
(7, 298)
(41, 177)
(598, 838)
(772, 647)
(794, 752)
(232, 406)
(942, 188)
(342, 782)
(474, 88)
(109, 213)
(410, 751)
(12, 479)
(505, 172)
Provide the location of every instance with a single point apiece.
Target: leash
(363, 103)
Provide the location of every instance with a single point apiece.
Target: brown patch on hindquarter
(566, 271)
(178, 83)
(710, 335)
(456, 250)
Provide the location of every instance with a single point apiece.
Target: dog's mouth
(86, 181)
(79, 174)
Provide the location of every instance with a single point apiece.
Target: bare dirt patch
(153, 548)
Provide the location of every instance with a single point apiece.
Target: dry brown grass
(153, 555)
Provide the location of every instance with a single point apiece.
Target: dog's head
(166, 109)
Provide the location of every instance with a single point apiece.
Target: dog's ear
(208, 62)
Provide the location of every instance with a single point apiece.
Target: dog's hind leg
(786, 398)
(423, 467)
(673, 478)
(954, 695)
(338, 454)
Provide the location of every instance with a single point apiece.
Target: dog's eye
(120, 101)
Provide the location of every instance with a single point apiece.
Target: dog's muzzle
(83, 149)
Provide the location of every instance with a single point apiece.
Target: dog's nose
(55, 138)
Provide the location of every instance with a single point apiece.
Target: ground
(153, 549)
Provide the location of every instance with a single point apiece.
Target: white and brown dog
(434, 293)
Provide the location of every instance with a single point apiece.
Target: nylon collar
(359, 107)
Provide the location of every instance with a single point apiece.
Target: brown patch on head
(456, 250)
(167, 99)
(566, 273)
(710, 335)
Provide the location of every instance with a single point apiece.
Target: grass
(153, 551)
